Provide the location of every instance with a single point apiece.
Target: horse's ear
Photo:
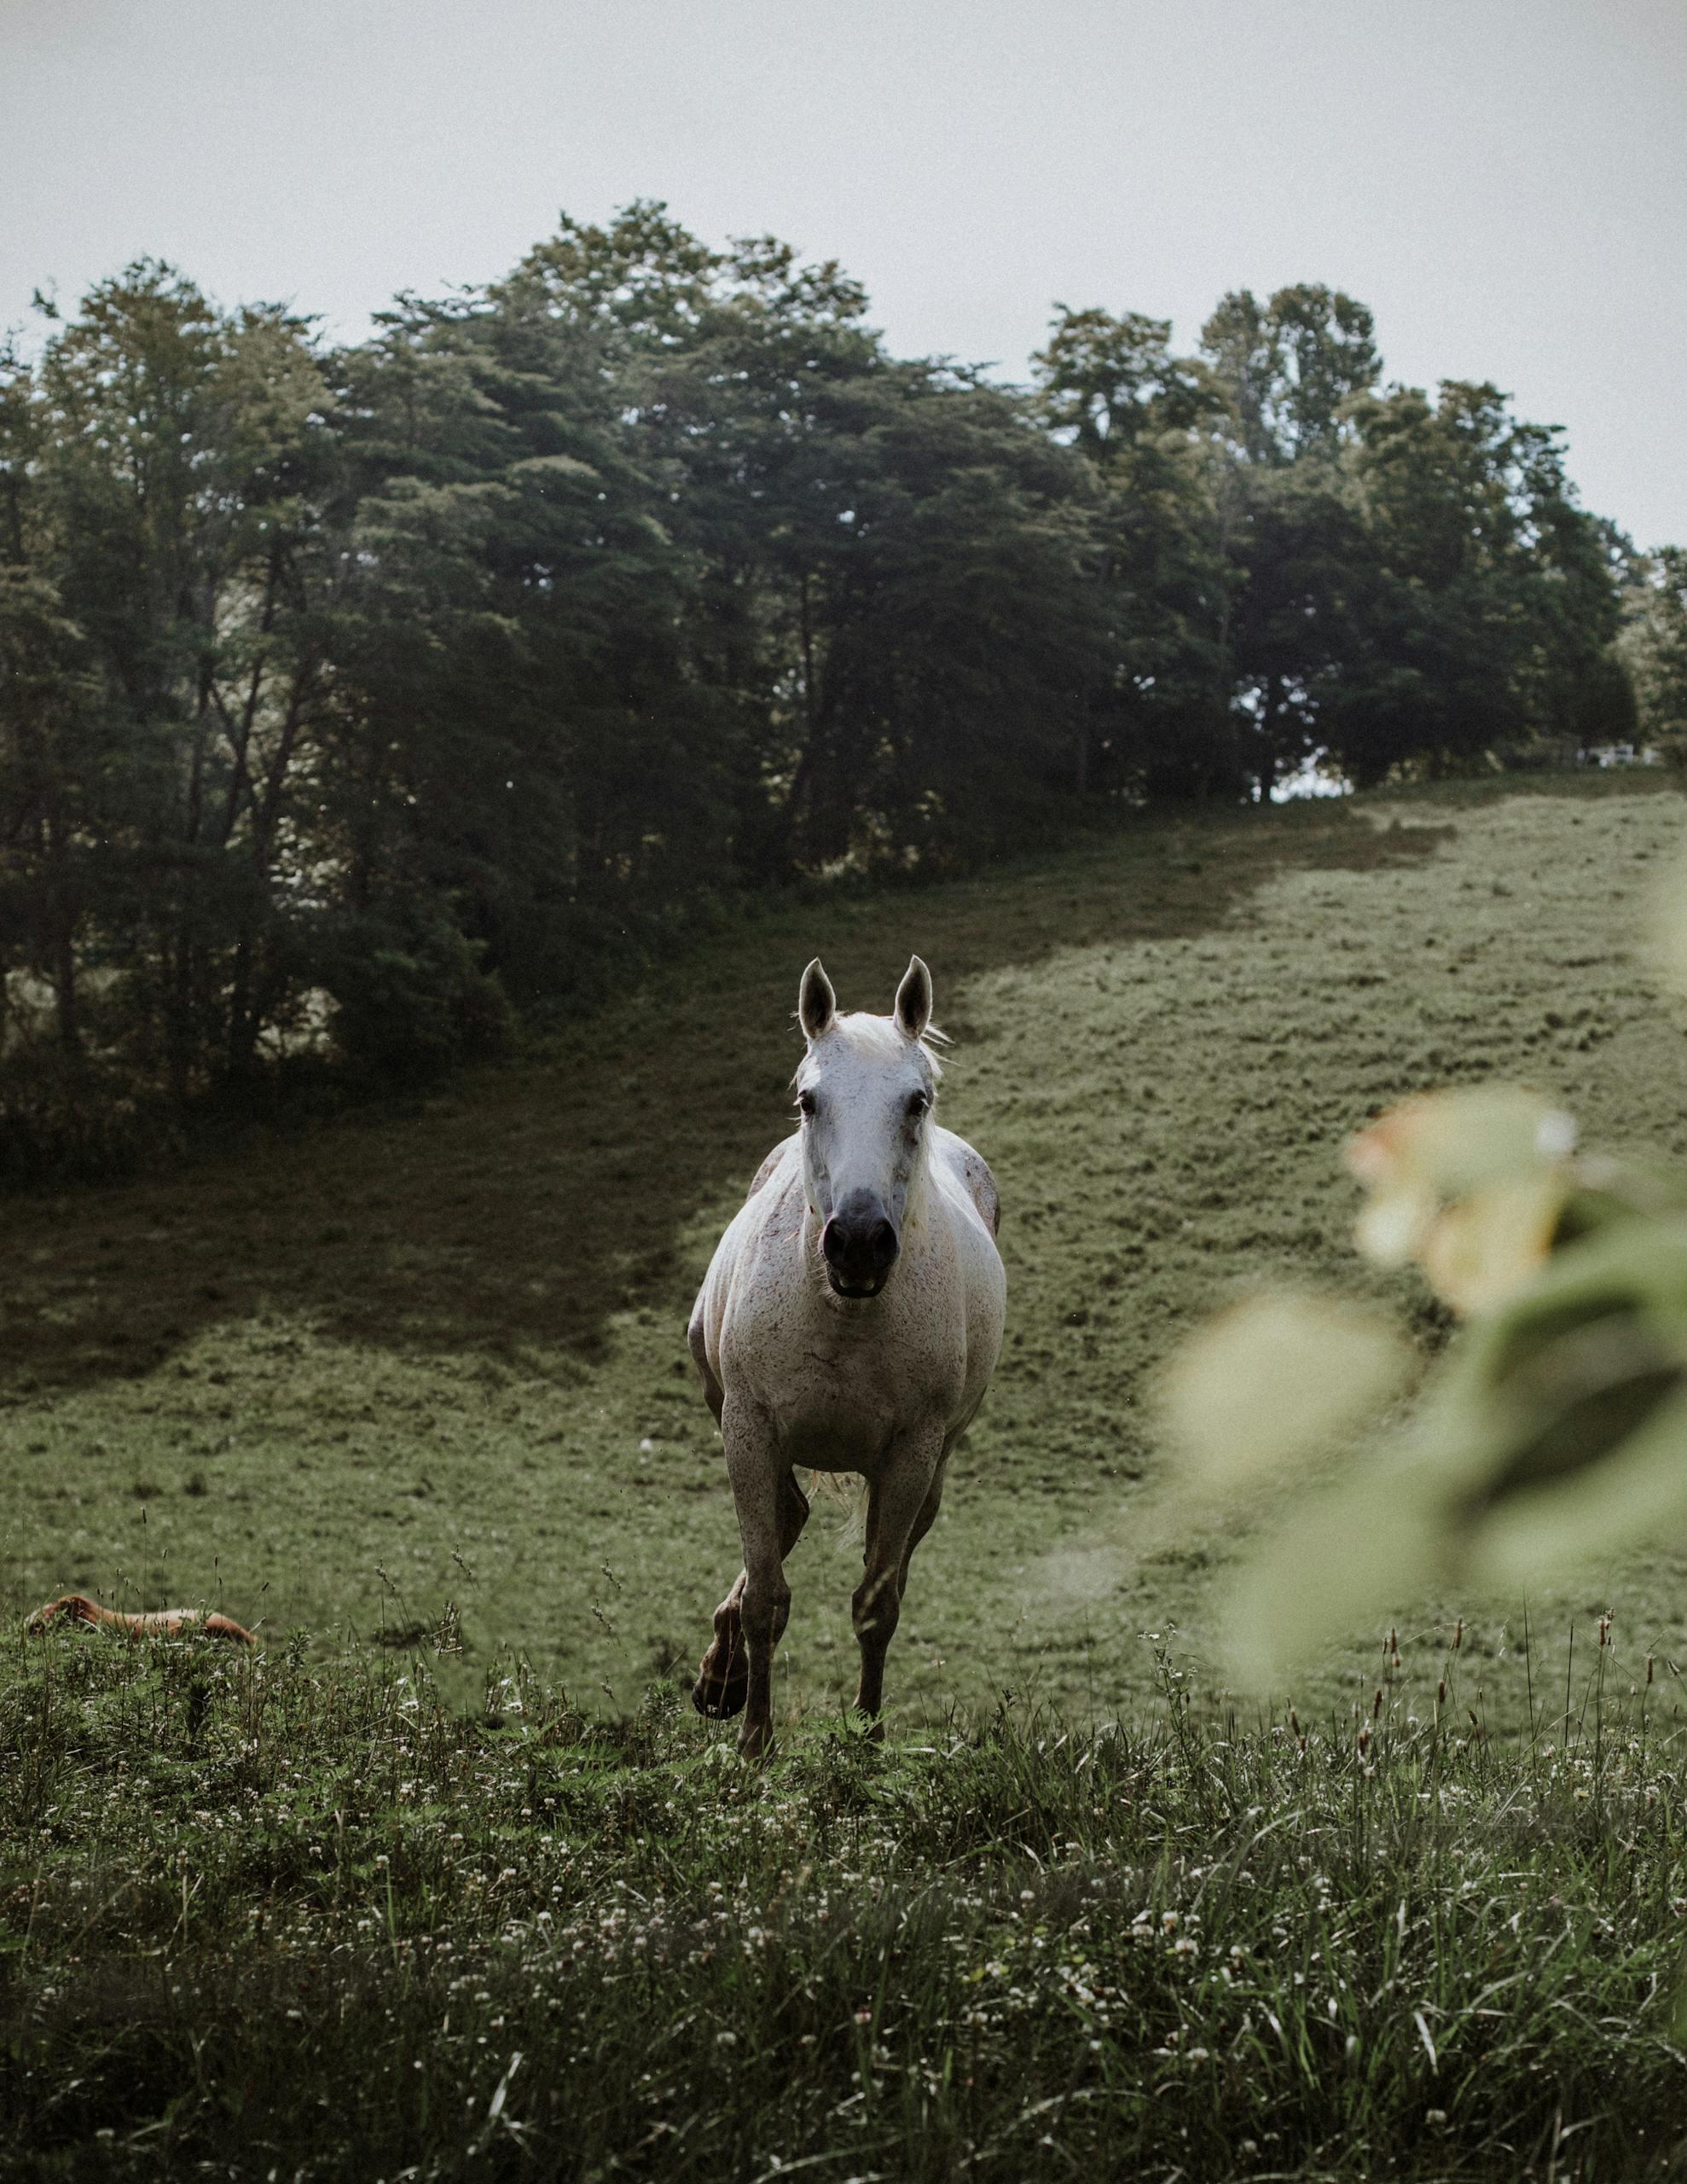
(816, 1003)
(913, 998)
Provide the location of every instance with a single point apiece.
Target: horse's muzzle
(859, 1247)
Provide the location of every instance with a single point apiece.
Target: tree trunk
(66, 997)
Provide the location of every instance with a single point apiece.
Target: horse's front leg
(902, 1503)
(761, 1483)
(724, 1676)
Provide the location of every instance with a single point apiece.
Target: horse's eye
(805, 1100)
(918, 1103)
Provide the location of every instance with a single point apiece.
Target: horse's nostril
(859, 1245)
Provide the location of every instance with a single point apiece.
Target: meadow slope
(349, 1379)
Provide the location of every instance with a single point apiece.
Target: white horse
(849, 1320)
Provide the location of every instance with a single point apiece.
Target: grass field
(344, 1379)
(265, 1917)
(446, 1880)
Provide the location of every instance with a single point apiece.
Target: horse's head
(864, 1091)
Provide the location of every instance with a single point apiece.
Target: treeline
(358, 703)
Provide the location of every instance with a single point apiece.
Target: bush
(413, 1000)
(67, 1117)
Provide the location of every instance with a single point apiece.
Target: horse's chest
(837, 1394)
(854, 1436)
(828, 1415)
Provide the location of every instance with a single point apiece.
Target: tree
(883, 622)
(176, 507)
(507, 672)
(1158, 721)
(1291, 368)
(53, 798)
(1655, 641)
(1484, 611)
(1295, 542)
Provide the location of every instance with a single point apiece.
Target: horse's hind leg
(723, 1678)
(901, 1509)
(764, 1495)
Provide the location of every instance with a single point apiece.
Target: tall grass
(264, 1917)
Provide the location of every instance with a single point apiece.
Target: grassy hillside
(345, 1379)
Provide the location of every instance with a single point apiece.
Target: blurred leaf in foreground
(1272, 1383)
(1554, 1430)
(1563, 1419)
(1469, 1184)
(1558, 1432)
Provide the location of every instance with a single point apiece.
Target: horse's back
(740, 1233)
(974, 1218)
(770, 1164)
(970, 1166)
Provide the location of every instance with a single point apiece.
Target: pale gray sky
(1504, 182)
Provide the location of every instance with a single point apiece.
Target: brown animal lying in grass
(162, 1622)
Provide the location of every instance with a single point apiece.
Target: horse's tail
(846, 1490)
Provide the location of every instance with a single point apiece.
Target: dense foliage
(1654, 645)
(356, 703)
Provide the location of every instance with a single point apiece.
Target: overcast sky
(1504, 182)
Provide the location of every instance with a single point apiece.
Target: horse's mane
(928, 1041)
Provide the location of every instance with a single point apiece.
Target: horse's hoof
(718, 1699)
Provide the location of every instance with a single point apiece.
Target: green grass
(262, 1918)
(349, 1375)
(385, 1388)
